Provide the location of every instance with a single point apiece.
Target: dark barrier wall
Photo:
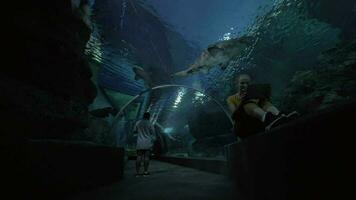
(209, 165)
(311, 158)
(58, 168)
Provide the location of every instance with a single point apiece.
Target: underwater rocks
(47, 85)
(98, 132)
(332, 82)
(339, 14)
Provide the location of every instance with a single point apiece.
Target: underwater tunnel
(181, 114)
(82, 73)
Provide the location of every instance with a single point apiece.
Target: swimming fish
(140, 73)
(219, 54)
(82, 9)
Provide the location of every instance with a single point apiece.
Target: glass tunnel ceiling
(173, 98)
(119, 24)
(117, 45)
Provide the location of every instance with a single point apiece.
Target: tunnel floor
(167, 181)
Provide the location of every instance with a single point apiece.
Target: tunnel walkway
(167, 181)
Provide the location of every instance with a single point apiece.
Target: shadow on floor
(166, 181)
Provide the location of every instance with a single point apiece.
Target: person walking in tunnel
(251, 108)
(145, 139)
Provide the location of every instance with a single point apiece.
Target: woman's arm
(232, 107)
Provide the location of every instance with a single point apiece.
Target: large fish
(219, 54)
(82, 9)
(140, 73)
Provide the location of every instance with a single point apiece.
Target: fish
(219, 54)
(140, 73)
(82, 9)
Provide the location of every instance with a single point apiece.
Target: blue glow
(168, 130)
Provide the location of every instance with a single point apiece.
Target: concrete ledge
(61, 167)
(209, 165)
(311, 158)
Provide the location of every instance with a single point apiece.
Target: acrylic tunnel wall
(188, 122)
